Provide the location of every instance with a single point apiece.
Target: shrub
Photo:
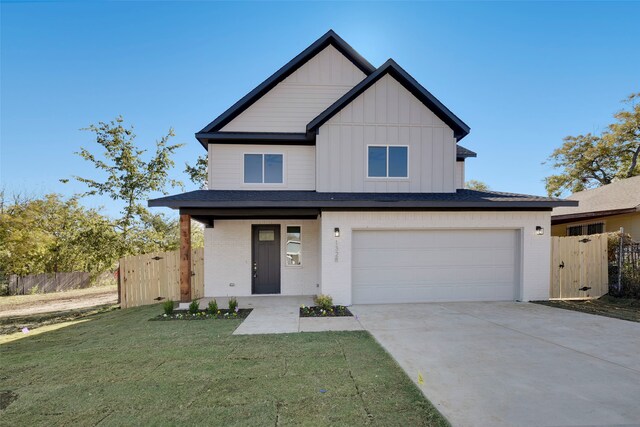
(194, 307)
(213, 306)
(233, 304)
(325, 302)
(168, 307)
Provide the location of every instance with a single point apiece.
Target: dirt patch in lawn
(10, 325)
(27, 305)
(6, 398)
(619, 308)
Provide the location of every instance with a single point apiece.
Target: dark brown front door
(265, 265)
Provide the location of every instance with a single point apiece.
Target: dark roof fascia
(460, 128)
(464, 153)
(325, 204)
(349, 204)
(330, 38)
(276, 138)
(575, 217)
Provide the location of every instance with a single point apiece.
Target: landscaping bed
(619, 308)
(333, 311)
(204, 315)
(324, 308)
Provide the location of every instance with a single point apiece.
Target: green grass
(619, 308)
(118, 368)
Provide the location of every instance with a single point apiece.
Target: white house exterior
(337, 177)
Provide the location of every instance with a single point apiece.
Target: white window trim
(387, 178)
(285, 246)
(267, 184)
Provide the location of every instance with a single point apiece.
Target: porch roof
(461, 199)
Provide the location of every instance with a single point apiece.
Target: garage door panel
(412, 239)
(434, 265)
(397, 258)
(483, 274)
(434, 293)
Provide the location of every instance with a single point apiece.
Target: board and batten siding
(459, 175)
(387, 114)
(226, 167)
(299, 98)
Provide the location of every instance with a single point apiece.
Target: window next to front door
(263, 168)
(387, 161)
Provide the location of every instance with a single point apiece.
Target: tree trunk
(634, 162)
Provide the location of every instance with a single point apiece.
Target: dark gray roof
(463, 153)
(330, 38)
(313, 199)
(460, 128)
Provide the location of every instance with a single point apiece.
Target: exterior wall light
(539, 230)
(336, 232)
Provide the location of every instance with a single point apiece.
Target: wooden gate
(149, 278)
(579, 267)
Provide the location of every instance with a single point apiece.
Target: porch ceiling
(208, 215)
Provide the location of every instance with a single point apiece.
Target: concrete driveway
(515, 364)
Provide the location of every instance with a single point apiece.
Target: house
(601, 210)
(337, 177)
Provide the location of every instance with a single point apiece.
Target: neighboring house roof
(463, 153)
(460, 128)
(614, 199)
(312, 199)
(330, 38)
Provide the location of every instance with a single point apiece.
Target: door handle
(255, 270)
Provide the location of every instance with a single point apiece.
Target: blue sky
(521, 75)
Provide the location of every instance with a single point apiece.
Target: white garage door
(434, 265)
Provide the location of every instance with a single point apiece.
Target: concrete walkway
(515, 364)
(281, 315)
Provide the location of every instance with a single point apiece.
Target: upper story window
(263, 168)
(388, 161)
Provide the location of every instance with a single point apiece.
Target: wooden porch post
(185, 258)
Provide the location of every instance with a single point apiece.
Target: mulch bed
(204, 315)
(334, 311)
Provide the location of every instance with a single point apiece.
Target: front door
(265, 265)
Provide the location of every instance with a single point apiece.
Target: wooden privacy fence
(149, 278)
(48, 282)
(579, 267)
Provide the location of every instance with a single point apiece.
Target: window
(266, 235)
(263, 168)
(585, 229)
(388, 161)
(294, 245)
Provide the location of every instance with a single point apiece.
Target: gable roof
(460, 128)
(616, 198)
(330, 38)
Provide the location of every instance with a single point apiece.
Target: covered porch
(254, 253)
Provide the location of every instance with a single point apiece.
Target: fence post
(620, 261)
(120, 282)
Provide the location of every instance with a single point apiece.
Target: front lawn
(619, 308)
(118, 368)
